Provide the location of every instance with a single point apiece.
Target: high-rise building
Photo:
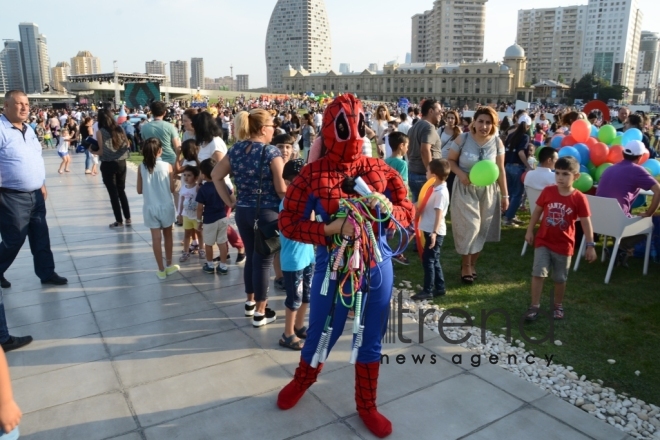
(179, 74)
(344, 68)
(85, 63)
(611, 41)
(552, 39)
(242, 82)
(197, 73)
(298, 35)
(373, 67)
(3, 74)
(648, 67)
(452, 32)
(154, 67)
(59, 74)
(12, 57)
(36, 68)
(408, 58)
(224, 83)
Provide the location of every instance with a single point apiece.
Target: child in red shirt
(560, 207)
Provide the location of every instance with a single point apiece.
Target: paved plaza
(120, 354)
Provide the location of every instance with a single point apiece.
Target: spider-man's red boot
(304, 378)
(366, 383)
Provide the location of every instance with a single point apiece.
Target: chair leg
(583, 243)
(613, 259)
(524, 249)
(647, 253)
(602, 256)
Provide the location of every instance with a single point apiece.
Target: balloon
(584, 169)
(645, 157)
(424, 196)
(594, 131)
(598, 153)
(653, 167)
(522, 178)
(556, 141)
(632, 134)
(583, 183)
(484, 173)
(600, 170)
(591, 166)
(639, 201)
(580, 130)
(584, 153)
(606, 134)
(538, 150)
(618, 140)
(568, 141)
(570, 151)
(615, 155)
(591, 141)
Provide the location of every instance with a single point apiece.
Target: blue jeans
(416, 182)
(88, 160)
(515, 187)
(298, 286)
(256, 273)
(434, 279)
(13, 435)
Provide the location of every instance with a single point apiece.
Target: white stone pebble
(628, 414)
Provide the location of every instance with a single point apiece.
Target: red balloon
(645, 157)
(522, 178)
(568, 141)
(615, 155)
(581, 130)
(591, 142)
(598, 153)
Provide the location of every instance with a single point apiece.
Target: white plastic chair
(532, 196)
(608, 219)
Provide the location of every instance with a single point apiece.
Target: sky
(227, 33)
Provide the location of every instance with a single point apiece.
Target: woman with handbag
(475, 210)
(257, 167)
(114, 149)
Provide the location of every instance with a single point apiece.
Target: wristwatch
(591, 244)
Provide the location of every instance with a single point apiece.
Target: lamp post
(167, 83)
(114, 63)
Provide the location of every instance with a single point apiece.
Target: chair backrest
(532, 196)
(607, 217)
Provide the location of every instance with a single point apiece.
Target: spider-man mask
(343, 129)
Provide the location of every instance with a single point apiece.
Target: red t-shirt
(557, 231)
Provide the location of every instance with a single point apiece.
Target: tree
(560, 78)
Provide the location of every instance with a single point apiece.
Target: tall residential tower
(36, 64)
(197, 73)
(298, 35)
(84, 63)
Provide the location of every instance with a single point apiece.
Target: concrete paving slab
(18, 299)
(48, 312)
(127, 297)
(72, 327)
(508, 382)
(334, 431)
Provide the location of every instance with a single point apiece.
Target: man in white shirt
(63, 117)
(318, 119)
(543, 176)
(404, 125)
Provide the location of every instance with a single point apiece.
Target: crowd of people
(289, 164)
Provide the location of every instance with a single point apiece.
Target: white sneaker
(261, 319)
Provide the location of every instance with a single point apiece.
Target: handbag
(266, 234)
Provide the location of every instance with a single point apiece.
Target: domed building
(298, 35)
(454, 84)
(85, 63)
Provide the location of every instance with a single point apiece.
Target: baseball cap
(634, 148)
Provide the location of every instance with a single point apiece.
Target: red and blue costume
(319, 188)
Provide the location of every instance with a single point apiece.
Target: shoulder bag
(266, 234)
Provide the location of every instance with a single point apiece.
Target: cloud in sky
(226, 33)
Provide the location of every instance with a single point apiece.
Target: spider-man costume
(318, 189)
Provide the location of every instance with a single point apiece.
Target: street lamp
(114, 63)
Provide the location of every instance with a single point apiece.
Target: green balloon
(618, 140)
(583, 183)
(484, 173)
(599, 171)
(607, 134)
(591, 166)
(538, 150)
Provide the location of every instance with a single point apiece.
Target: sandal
(532, 313)
(301, 332)
(116, 225)
(558, 312)
(290, 343)
(474, 276)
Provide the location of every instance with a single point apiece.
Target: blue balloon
(639, 201)
(653, 167)
(594, 131)
(584, 169)
(571, 151)
(556, 142)
(584, 153)
(619, 133)
(632, 134)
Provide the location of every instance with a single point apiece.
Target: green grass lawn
(619, 321)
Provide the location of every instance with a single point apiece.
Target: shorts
(298, 285)
(216, 232)
(544, 259)
(189, 223)
(63, 155)
(158, 216)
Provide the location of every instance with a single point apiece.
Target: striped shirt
(21, 165)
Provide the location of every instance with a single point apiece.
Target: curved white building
(298, 35)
